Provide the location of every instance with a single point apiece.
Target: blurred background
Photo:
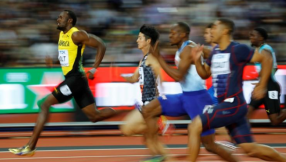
(28, 34)
(28, 28)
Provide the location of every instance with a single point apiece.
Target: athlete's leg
(272, 103)
(195, 104)
(44, 105)
(250, 110)
(95, 115)
(134, 123)
(210, 145)
(85, 100)
(195, 130)
(277, 118)
(240, 131)
(253, 105)
(261, 151)
(150, 113)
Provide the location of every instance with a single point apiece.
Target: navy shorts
(211, 92)
(191, 103)
(232, 114)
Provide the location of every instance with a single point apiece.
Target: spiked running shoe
(23, 151)
(165, 128)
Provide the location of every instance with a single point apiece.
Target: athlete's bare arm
(202, 69)
(265, 58)
(135, 77)
(207, 52)
(179, 73)
(82, 37)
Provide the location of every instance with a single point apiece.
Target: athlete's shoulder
(189, 47)
(152, 59)
(192, 43)
(78, 33)
(266, 47)
(241, 47)
(186, 52)
(79, 36)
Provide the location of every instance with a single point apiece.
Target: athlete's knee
(251, 149)
(125, 130)
(275, 122)
(274, 119)
(211, 147)
(195, 126)
(43, 104)
(95, 118)
(147, 112)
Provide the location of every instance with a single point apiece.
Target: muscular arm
(82, 37)
(202, 69)
(207, 52)
(179, 73)
(135, 77)
(266, 60)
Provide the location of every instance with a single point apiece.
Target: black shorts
(76, 87)
(271, 100)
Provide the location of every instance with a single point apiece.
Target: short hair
(262, 32)
(228, 23)
(185, 26)
(150, 32)
(71, 16)
(210, 25)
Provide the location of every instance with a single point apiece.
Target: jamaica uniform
(75, 83)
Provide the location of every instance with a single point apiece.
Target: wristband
(93, 70)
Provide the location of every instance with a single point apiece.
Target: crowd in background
(28, 28)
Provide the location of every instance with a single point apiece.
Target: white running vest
(192, 80)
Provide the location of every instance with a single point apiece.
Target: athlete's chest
(66, 49)
(66, 42)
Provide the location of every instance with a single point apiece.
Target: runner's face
(207, 35)
(175, 35)
(142, 42)
(254, 38)
(62, 21)
(217, 32)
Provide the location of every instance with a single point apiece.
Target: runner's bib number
(64, 57)
(220, 64)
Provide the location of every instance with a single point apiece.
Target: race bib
(220, 64)
(65, 90)
(64, 57)
(273, 95)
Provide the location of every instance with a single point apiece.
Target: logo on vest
(64, 43)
